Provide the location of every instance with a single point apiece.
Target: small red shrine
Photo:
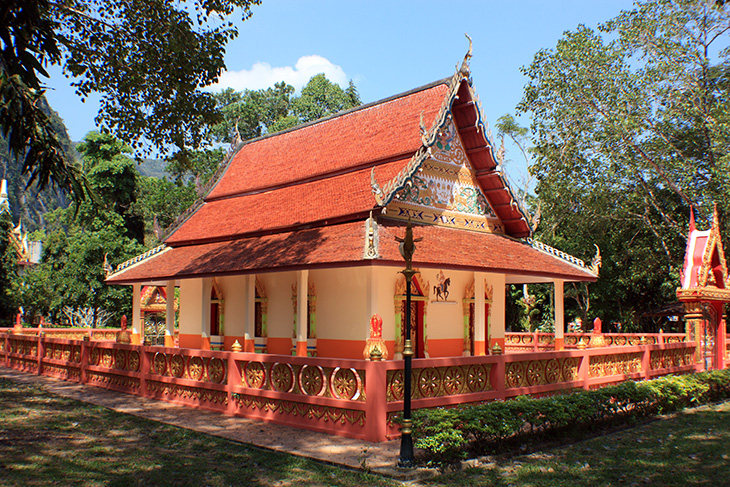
(704, 291)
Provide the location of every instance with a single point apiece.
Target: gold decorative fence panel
(429, 382)
(540, 372)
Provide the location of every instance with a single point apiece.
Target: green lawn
(50, 440)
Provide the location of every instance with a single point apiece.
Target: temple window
(261, 311)
(216, 310)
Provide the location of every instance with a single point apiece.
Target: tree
(114, 178)
(8, 269)
(628, 133)
(149, 60)
(320, 98)
(77, 241)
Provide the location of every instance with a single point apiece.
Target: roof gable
(704, 261)
(444, 190)
(461, 110)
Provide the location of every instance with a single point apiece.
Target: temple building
(27, 252)
(293, 250)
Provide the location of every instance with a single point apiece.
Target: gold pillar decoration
(693, 325)
(399, 299)
(467, 305)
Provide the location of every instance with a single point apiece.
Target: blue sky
(386, 47)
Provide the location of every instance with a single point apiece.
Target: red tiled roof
(343, 244)
(377, 132)
(321, 201)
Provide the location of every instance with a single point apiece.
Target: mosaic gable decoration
(444, 191)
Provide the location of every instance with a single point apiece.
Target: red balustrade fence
(353, 398)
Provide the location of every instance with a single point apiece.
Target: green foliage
(532, 311)
(196, 166)
(8, 271)
(252, 113)
(114, 179)
(448, 434)
(630, 128)
(149, 60)
(164, 201)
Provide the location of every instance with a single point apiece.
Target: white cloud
(263, 75)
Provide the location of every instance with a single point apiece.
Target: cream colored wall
(385, 279)
(278, 288)
(192, 317)
(497, 310)
(234, 304)
(341, 303)
(446, 319)
(346, 299)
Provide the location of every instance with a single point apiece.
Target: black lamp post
(407, 248)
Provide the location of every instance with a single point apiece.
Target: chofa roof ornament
(464, 69)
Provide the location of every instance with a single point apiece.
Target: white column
(302, 316)
(205, 317)
(372, 297)
(497, 321)
(480, 321)
(559, 299)
(250, 318)
(137, 325)
(170, 315)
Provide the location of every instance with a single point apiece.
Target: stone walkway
(356, 454)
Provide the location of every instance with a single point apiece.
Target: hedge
(446, 435)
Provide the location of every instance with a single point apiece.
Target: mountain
(28, 204)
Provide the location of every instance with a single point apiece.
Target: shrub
(445, 435)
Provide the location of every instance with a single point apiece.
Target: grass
(50, 440)
(690, 448)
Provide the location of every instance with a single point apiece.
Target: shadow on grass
(46, 439)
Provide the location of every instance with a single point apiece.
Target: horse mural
(442, 290)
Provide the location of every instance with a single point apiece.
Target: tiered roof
(302, 198)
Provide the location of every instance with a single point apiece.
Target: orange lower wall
(448, 347)
(279, 346)
(350, 349)
(340, 348)
(190, 341)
